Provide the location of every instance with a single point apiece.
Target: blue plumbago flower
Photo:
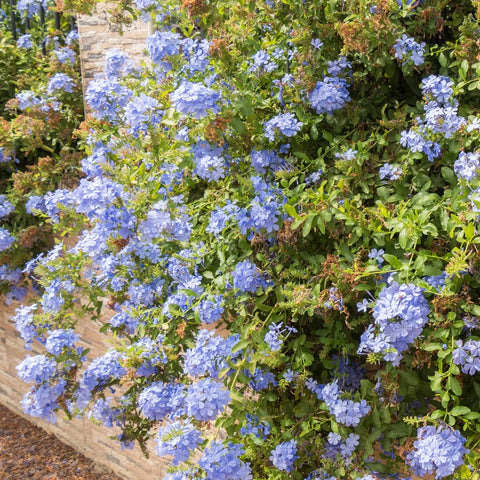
(117, 63)
(142, 111)
(348, 373)
(4, 157)
(24, 324)
(124, 319)
(196, 53)
(102, 412)
(316, 43)
(436, 281)
(145, 4)
(10, 275)
(64, 55)
(314, 177)
(363, 305)
(438, 88)
(221, 216)
(41, 401)
(206, 399)
(442, 119)
(177, 439)
(59, 339)
(195, 99)
(473, 124)
(93, 165)
(210, 311)
(37, 369)
(261, 379)
(329, 95)
(265, 208)
(221, 462)
(247, 277)
(52, 299)
(400, 314)
(106, 97)
(390, 172)
(60, 81)
(35, 203)
(210, 354)
(6, 239)
(72, 37)
(162, 44)
(25, 41)
(467, 356)
(264, 160)
(262, 63)
(28, 8)
(274, 331)
(16, 293)
(210, 165)
(347, 156)
(335, 300)
(285, 123)
(347, 412)
(437, 450)
(339, 67)
(284, 455)
(408, 50)
(103, 369)
(351, 442)
(5, 207)
(27, 99)
(255, 427)
(160, 399)
(290, 375)
(467, 166)
(92, 197)
(377, 255)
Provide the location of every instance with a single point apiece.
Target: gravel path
(28, 452)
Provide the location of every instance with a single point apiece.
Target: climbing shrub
(277, 229)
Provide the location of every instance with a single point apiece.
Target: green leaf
(290, 210)
(238, 125)
(460, 410)
(403, 238)
(454, 385)
(393, 261)
(437, 414)
(449, 175)
(241, 345)
(442, 59)
(307, 226)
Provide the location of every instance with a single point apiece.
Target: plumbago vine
(278, 207)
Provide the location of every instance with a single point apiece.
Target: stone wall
(82, 434)
(98, 34)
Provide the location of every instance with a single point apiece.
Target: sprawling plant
(277, 230)
(40, 110)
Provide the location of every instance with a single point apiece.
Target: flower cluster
(437, 450)
(400, 314)
(195, 99)
(467, 355)
(283, 456)
(221, 462)
(285, 123)
(408, 50)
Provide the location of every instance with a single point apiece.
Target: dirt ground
(28, 452)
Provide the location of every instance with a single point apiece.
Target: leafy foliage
(280, 171)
